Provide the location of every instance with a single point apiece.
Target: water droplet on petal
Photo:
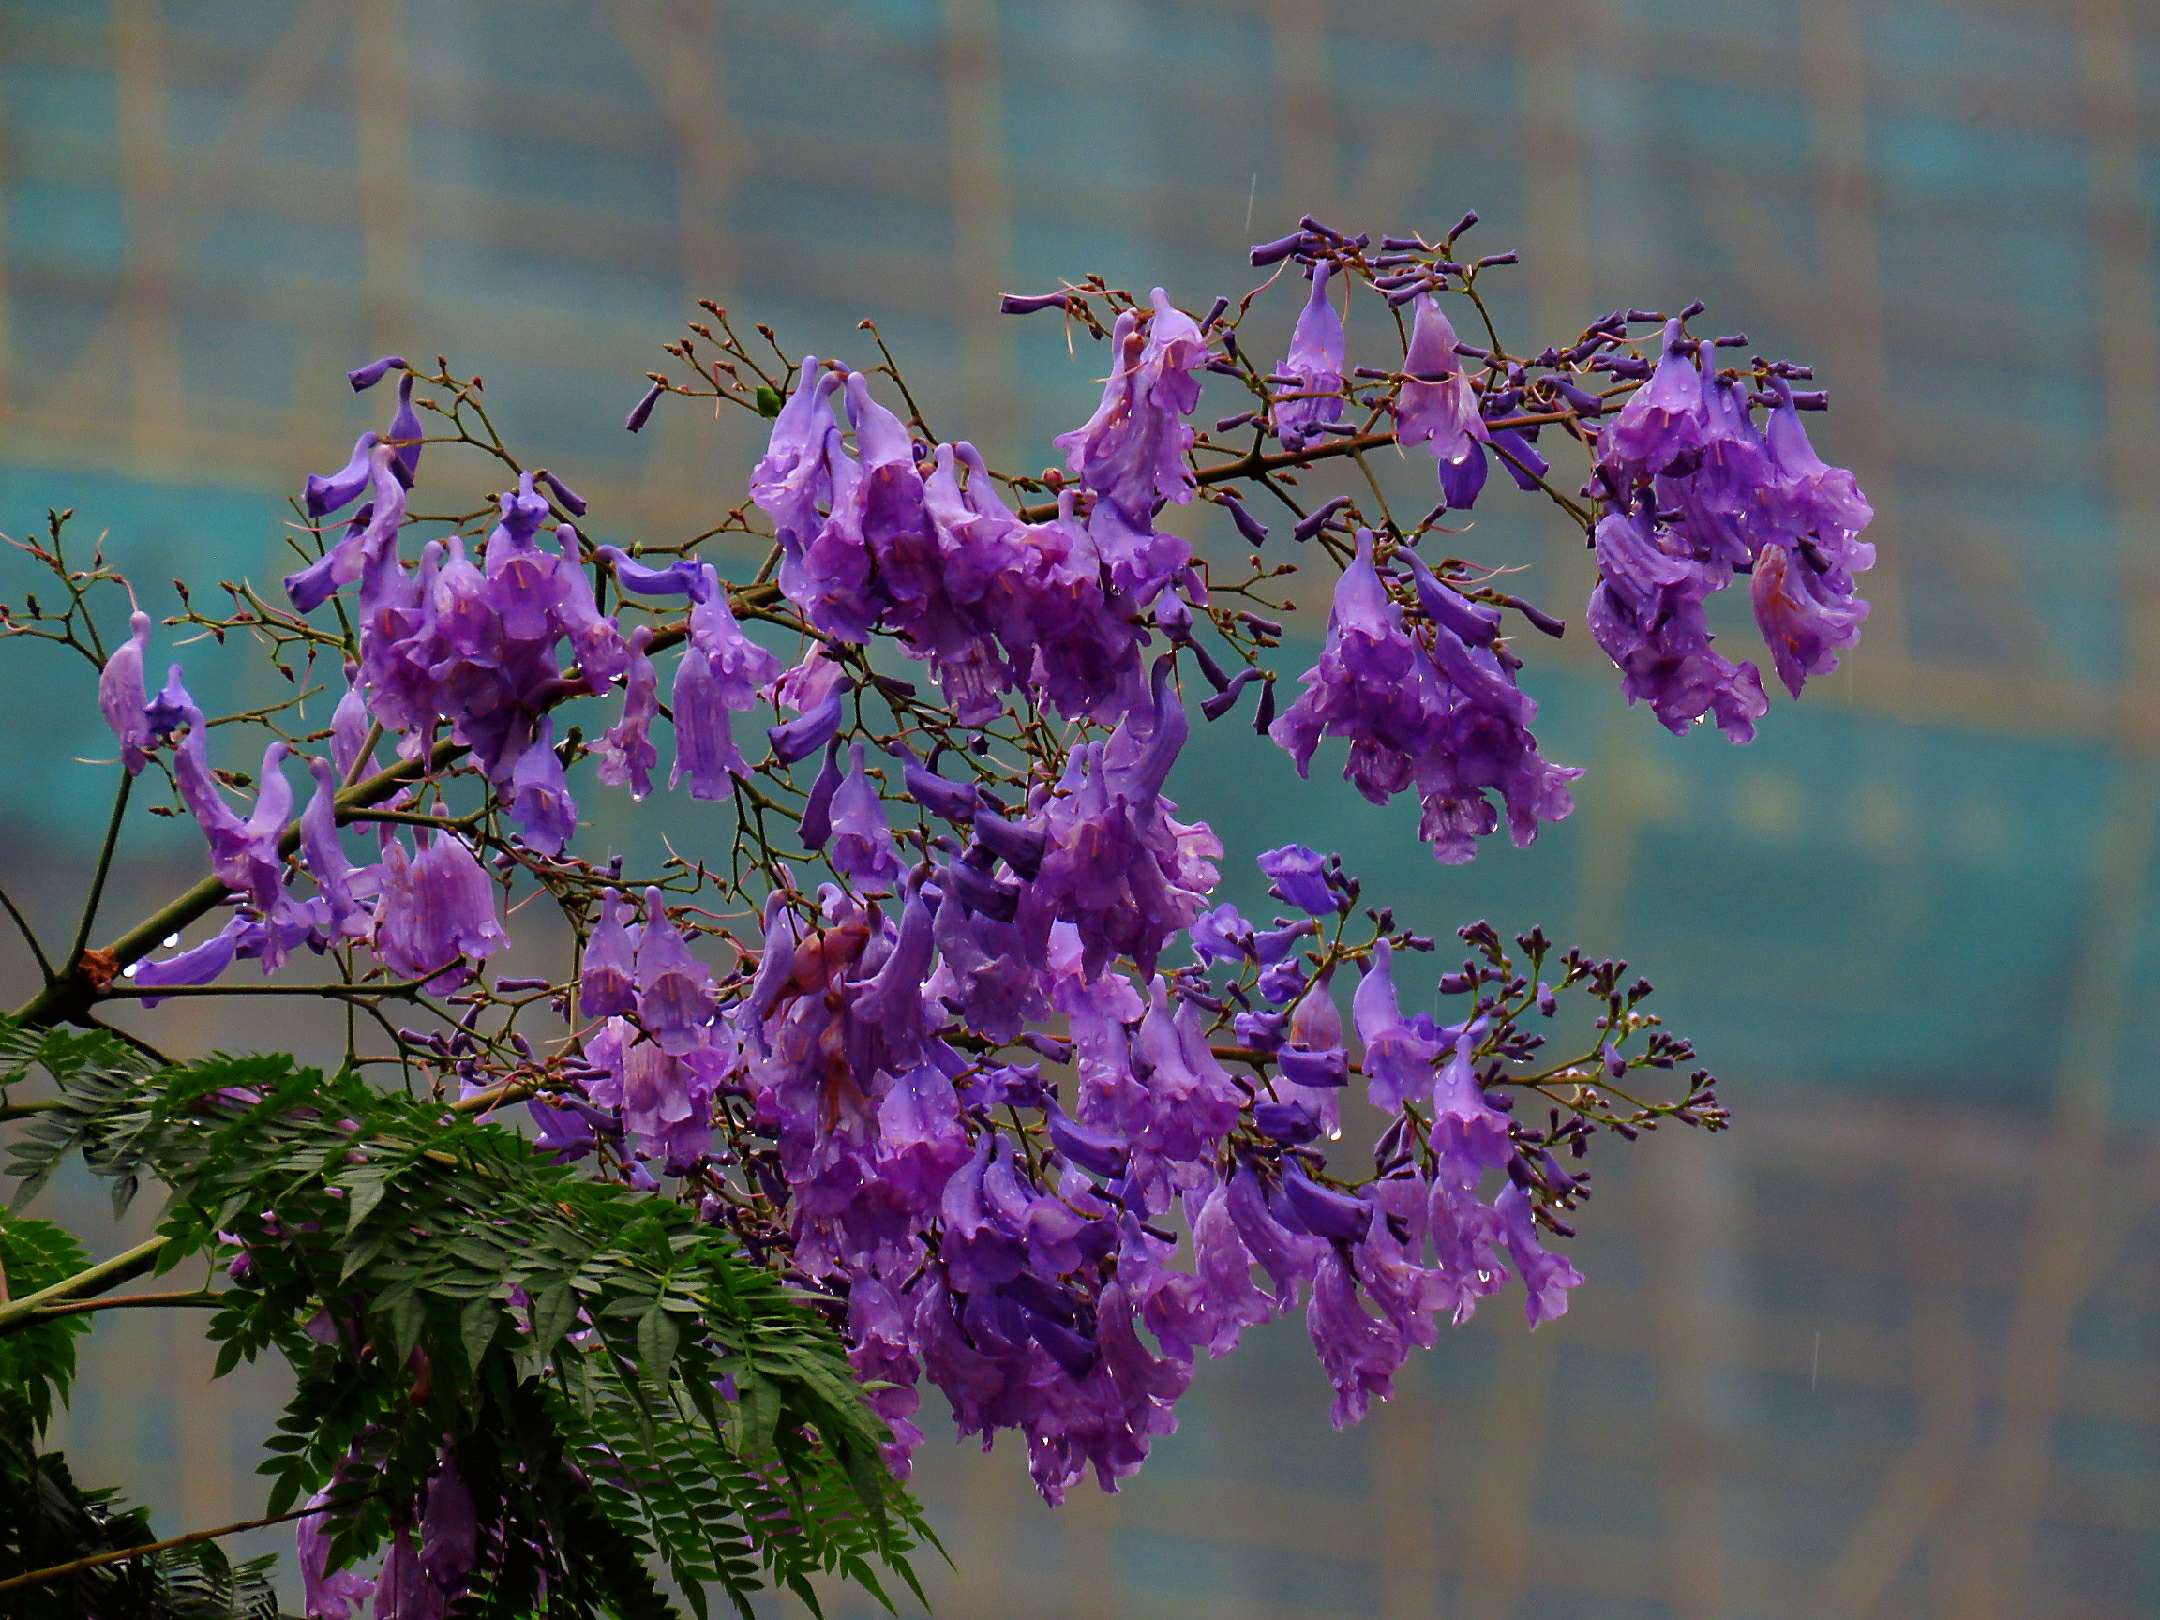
(171, 940)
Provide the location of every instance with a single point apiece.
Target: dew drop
(171, 940)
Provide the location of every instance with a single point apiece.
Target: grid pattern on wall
(1907, 1365)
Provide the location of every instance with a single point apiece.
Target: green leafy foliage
(37, 1362)
(616, 1382)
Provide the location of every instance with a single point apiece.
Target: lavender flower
(1315, 365)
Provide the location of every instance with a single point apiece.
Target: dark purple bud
(1226, 700)
(1814, 399)
(511, 987)
(1266, 715)
(1413, 244)
(1096, 1151)
(1069, 1348)
(1266, 627)
(981, 893)
(1323, 1211)
(365, 377)
(1208, 667)
(1469, 219)
(1285, 1122)
(641, 412)
(804, 735)
(1215, 313)
(817, 808)
(1694, 309)
(1020, 847)
(1247, 525)
(1227, 423)
(565, 497)
(683, 577)
(941, 796)
(1585, 402)
(1030, 303)
(1279, 249)
(1320, 517)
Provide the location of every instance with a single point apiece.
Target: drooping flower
(449, 1528)
(1662, 420)
(1441, 714)
(1546, 1276)
(1298, 876)
(1315, 365)
(1437, 407)
(327, 1594)
(1131, 452)
(674, 989)
(607, 975)
(437, 912)
(1646, 612)
(540, 799)
(794, 476)
(625, 750)
(862, 843)
(1115, 863)
(122, 698)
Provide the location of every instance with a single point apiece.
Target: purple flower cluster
(1699, 493)
(912, 539)
(1431, 706)
(971, 1087)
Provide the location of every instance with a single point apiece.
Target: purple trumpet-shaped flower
(198, 964)
(449, 1528)
(1131, 452)
(674, 989)
(1315, 365)
(371, 535)
(607, 976)
(1662, 420)
(809, 731)
(705, 749)
(122, 698)
(862, 843)
(1298, 876)
(1646, 613)
(1230, 1301)
(540, 801)
(1359, 1353)
(1437, 406)
(1806, 616)
(1288, 1255)
(326, 492)
(437, 912)
(794, 476)
(327, 1594)
(341, 886)
(1464, 1123)
(1115, 863)
(1398, 1057)
(1337, 1216)
(403, 1591)
(817, 820)
(1546, 1277)
(625, 750)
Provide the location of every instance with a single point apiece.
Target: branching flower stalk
(949, 1037)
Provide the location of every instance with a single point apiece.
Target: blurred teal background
(1890, 1347)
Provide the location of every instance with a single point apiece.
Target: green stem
(90, 1280)
(104, 867)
